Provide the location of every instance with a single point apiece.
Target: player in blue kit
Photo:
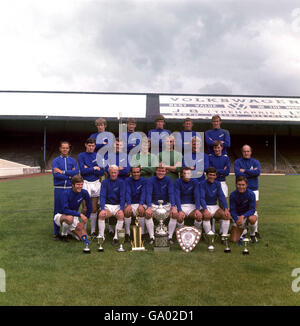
(132, 137)
(217, 133)
(186, 135)
(135, 202)
(160, 187)
(91, 174)
(112, 201)
(242, 209)
(249, 167)
(187, 198)
(158, 134)
(64, 168)
(102, 137)
(210, 193)
(68, 217)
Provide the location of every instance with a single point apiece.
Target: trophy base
(100, 250)
(227, 250)
(86, 251)
(161, 249)
(121, 250)
(138, 249)
(211, 248)
(245, 252)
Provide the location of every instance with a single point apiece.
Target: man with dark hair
(242, 209)
(63, 168)
(68, 216)
(158, 134)
(91, 174)
(210, 193)
(217, 133)
(132, 137)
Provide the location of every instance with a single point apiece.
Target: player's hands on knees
(206, 214)
(83, 218)
(227, 213)
(174, 212)
(240, 221)
(128, 210)
(198, 215)
(102, 214)
(149, 212)
(120, 214)
(141, 210)
(181, 216)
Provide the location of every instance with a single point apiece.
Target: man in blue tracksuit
(160, 187)
(68, 216)
(158, 134)
(185, 136)
(91, 173)
(135, 201)
(242, 209)
(249, 167)
(217, 133)
(187, 198)
(63, 168)
(112, 201)
(131, 137)
(210, 193)
(102, 137)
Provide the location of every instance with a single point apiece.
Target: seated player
(145, 159)
(160, 187)
(187, 198)
(64, 168)
(135, 200)
(242, 209)
(68, 217)
(112, 201)
(170, 158)
(91, 174)
(210, 193)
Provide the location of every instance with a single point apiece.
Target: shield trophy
(245, 242)
(161, 232)
(137, 243)
(211, 240)
(225, 238)
(121, 238)
(188, 237)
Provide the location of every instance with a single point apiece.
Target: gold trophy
(137, 243)
(245, 242)
(100, 243)
(121, 238)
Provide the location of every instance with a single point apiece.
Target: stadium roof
(91, 105)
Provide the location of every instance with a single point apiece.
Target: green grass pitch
(40, 271)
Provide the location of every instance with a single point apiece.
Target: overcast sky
(246, 47)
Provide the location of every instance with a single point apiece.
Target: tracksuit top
(113, 193)
(66, 164)
(159, 145)
(133, 139)
(102, 139)
(249, 165)
(217, 134)
(186, 139)
(121, 160)
(73, 200)
(135, 191)
(242, 204)
(210, 193)
(90, 160)
(160, 189)
(200, 163)
(220, 162)
(186, 193)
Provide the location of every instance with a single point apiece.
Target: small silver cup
(121, 238)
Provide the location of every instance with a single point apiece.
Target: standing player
(112, 201)
(132, 137)
(210, 193)
(186, 135)
(64, 168)
(187, 198)
(160, 187)
(217, 133)
(242, 209)
(135, 200)
(249, 167)
(102, 137)
(68, 217)
(91, 174)
(158, 134)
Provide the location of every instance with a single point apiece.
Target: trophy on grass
(86, 248)
(121, 238)
(161, 232)
(137, 243)
(225, 238)
(245, 242)
(100, 243)
(211, 240)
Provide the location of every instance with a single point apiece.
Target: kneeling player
(210, 193)
(112, 201)
(187, 198)
(68, 217)
(242, 209)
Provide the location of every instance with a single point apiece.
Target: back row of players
(136, 187)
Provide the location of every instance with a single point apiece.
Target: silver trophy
(100, 243)
(161, 232)
(121, 238)
(245, 242)
(225, 238)
(211, 240)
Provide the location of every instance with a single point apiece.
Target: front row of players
(181, 199)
